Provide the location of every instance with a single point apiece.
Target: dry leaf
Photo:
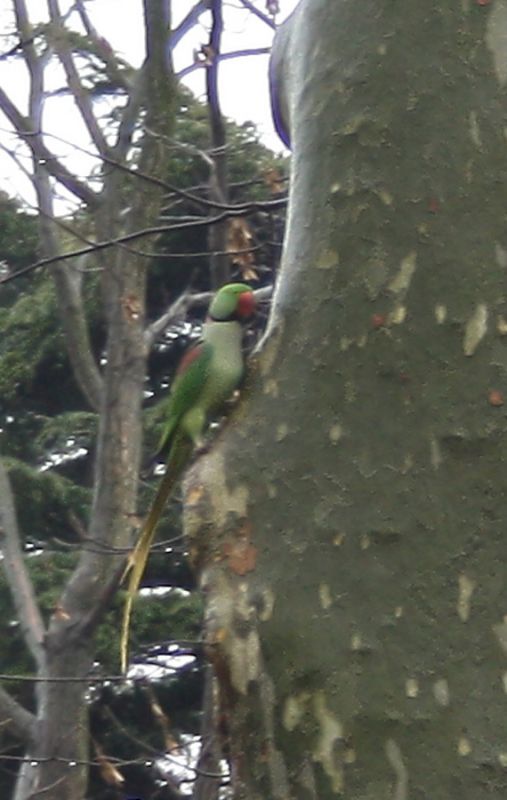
(60, 613)
(239, 247)
(273, 179)
(108, 771)
(163, 721)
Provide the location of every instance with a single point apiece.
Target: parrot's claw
(201, 447)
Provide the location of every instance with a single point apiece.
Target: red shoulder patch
(188, 358)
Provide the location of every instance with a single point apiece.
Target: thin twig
(184, 194)
(247, 52)
(78, 92)
(46, 788)
(157, 229)
(42, 155)
(187, 22)
(152, 750)
(258, 13)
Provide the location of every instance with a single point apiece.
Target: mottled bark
(348, 525)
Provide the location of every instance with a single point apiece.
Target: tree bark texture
(348, 525)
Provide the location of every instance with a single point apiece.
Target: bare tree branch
(196, 254)
(17, 160)
(16, 574)
(86, 370)
(30, 129)
(184, 194)
(85, 19)
(129, 117)
(68, 281)
(68, 284)
(47, 788)
(129, 237)
(176, 310)
(102, 602)
(188, 22)
(14, 717)
(258, 13)
(25, 31)
(70, 301)
(246, 52)
(220, 265)
(43, 155)
(81, 96)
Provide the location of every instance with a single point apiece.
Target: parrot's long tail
(162, 453)
(178, 458)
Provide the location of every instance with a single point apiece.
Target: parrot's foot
(201, 447)
(233, 399)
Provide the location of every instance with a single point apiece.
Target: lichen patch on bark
(395, 758)
(475, 131)
(398, 315)
(412, 688)
(325, 751)
(325, 596)
(501, 255)
(294, 709)
(464, 747)
(400, 284)
(435, 453)
(231, 626)
(440, 313)
(328, 259)
(335, 433)
(441, 692)
(475, 329)
(500, 631)
(466, 589)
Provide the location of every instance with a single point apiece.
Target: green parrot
(207, 375)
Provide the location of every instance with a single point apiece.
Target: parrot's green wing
(191, 375)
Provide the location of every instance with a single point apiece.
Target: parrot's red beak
(246, 305)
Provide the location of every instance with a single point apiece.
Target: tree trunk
(347, 525)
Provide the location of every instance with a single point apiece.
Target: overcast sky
(243, 82)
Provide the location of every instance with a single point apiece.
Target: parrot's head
(234, 301)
